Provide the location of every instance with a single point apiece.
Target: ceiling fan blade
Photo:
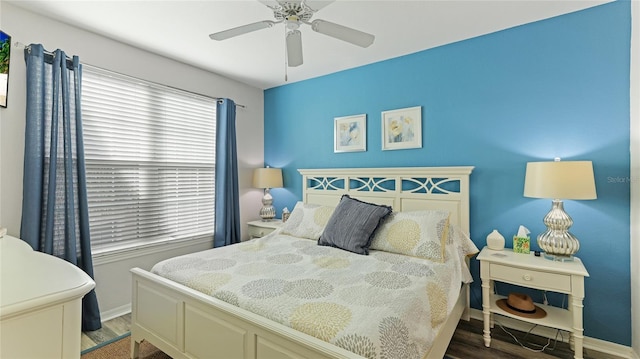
(316, 5)
(240, 30)
(294, 48)
(343, 33)
(272, 4)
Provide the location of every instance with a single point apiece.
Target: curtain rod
(20, 45)
(68, 60)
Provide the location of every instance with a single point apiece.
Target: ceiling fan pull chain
(286, 79)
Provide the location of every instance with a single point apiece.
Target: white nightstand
(530, 271)
(259, 229)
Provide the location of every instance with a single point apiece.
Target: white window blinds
(150, 160)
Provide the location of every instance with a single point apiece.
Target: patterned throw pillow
(415, 233)
(307, 220)
(352, 225)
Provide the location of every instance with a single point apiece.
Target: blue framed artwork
(402, 128)
(5, 52)
(350, 133)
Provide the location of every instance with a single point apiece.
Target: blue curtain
(55, 215)
(227, 225)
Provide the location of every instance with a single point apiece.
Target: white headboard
(402, 188)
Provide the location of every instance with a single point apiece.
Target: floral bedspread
(383, 305)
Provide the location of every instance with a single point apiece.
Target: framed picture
(350, 133)
(402, 128)
(5, 51)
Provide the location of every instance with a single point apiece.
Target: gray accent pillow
(352, 225)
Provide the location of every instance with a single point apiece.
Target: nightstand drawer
(255, 232)
(531, 278)
(257, 229)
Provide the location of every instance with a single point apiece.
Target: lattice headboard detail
(402, 188)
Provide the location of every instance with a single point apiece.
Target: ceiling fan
(293, 13)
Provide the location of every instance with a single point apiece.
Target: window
(150, 160)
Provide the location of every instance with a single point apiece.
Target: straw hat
(521, 305)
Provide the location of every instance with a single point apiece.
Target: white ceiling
(180, 29)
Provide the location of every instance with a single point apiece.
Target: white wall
(635, 177)
(111, 273)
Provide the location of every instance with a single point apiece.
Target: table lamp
(559, 180)
(267, 178)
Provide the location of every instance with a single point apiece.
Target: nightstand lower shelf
(556, 318)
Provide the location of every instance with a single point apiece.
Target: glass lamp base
(557, 243)
(558, 258)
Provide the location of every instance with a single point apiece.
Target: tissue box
(521, 244)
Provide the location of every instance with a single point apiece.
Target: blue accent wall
(553, 88)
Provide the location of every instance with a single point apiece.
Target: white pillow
(414, 233)
(460, 241)
(307, 220)
(459, 246)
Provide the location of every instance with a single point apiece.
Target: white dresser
(40, 303)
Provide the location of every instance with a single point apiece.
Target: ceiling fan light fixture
(343, 33)
(293, 22)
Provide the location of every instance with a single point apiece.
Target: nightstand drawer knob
(527, 277)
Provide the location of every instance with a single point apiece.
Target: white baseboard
(602, 346)
(115, 312)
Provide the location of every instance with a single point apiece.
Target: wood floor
(466, 343)
(110, 329)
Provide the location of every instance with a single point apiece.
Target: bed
(174, 309)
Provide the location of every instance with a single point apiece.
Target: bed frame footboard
(185, 323)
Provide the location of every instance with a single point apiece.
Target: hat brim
(539, 313)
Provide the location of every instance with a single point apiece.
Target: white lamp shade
(267, 178)
(560, 180)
